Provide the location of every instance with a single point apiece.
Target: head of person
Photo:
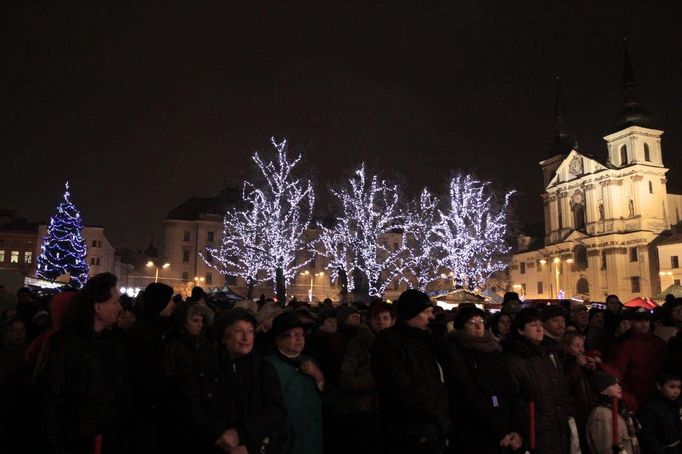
(511, 304)
(605, 384)
(15, 332)
(554, 320)
(597, 318)
(470, 320)
(95, 307)
(24, 295)
(158, 300)
(528, 325)
(349, 317)
(235, 329)
(668, 385)
(624, 324)
(194, 320)
(198, 295)
(574, 343)
(414, 309)
(673, 312)
(641, 321)
(288, 332)
(327, 321)
(579, 317)
(266, 314)
(381, 316)
(500, 324)
(613, 304)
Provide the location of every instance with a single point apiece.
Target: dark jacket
(538, 376)
(243, 394)
(491, 410)
(357, 388)
(182, 356)
(86, 392)
(580, 393)
(413, 399)
(661, 426)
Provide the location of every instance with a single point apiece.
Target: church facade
(603, 221)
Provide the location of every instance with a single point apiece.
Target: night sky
(141, 106)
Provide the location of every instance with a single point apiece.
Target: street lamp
(312, 279)
(152, 264)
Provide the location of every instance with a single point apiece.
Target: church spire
(632, 113)
(563, 141)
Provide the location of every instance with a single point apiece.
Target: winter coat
(580, 393)
(636, 360)
(356, 385)
(86, 392)
(182, 356)
(538, 376)
(57, 308)
(600, 432)
(242, 394)
(484, 415)
(413, 398)
(661, 427)
(303, 424)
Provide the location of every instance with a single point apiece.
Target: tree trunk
(249, 288)
(343, 281)
(280, 286)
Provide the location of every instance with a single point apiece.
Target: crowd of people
(95, 371)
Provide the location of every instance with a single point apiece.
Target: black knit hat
(284, 322)
(600, 380)
(466, 313)
(227, 318)
(410, 303)
(156, 297)
(551, 311)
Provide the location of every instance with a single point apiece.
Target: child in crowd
(660, 417)
(600, 422)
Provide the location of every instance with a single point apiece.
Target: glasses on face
(294, 335)
(476, 322)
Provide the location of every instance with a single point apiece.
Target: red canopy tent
(646, 303)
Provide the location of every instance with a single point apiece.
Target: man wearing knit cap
(410, 380)
(554, 323)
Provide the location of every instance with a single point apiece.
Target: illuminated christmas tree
(63, 248)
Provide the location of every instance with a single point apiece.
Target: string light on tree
(422, 246)
(63, 250)
(472, 231)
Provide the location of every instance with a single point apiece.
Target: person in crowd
(85, 386)
(637, 359)
(613, 313)
(596, 338)
(264, 343)
(198, 296)
(488, 418)
(671, 319)
(302, 382)
(321, 343)
(247, 304)
(358, 405)
(57, 308)
(659, 416)
(577, 366)
(511, 304)
(600, 423)
(579, 319)
(145, 350)
(500, 325)
(26, 306)
(236, 402)
(554, 324)
(413, 398)
(537, 375)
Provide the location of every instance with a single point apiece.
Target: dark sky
(143, 105)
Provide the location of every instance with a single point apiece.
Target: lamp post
(152, 264)
(312, 279)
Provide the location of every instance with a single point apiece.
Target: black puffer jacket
(538, 376)
(242, 394)
(492, 410)
(413, 399)
(661, 426)
(86, 392)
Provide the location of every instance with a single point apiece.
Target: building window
(539, 267)
(96, 243)
(651, 187)
(647, 155)
(208, 257)
(28, 257)
(2, 256)
(603, 260)
(185, 276)
(580, 253)
(633, 254)
(94, 260)
(187, 235)
(623, 155)
(231, 280)
(674, 262)
(631, 208)
(540, 288)
(209, 278)
(676, 282)
(14, 258)
(185, 256)
(634, 283)
(601, 211)
(209, 237)
(579, 217)
(522, 267)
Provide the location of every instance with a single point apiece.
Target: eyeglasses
(294, 335)
(476, 322)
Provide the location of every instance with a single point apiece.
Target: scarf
(488, 343)
(631, 423)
